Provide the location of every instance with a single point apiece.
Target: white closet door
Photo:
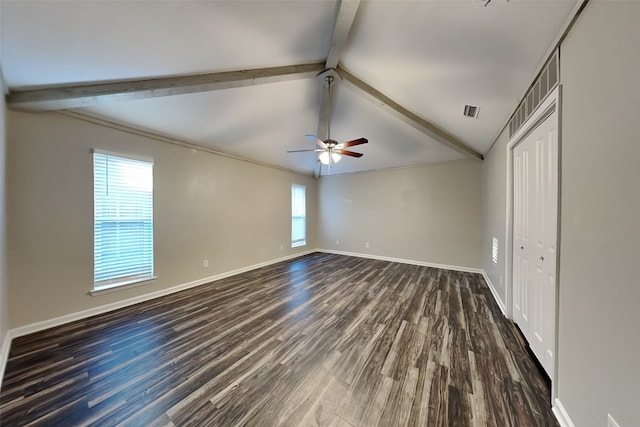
(535, 195)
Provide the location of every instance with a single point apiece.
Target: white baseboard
(4, 354)
(67, 318)
(57, 321)
(496, 297)
(561, 414)
(404, 261)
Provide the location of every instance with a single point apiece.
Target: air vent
(471, 111)
(546, 81)
(494, 251)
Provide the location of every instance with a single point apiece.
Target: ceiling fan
(331, 151)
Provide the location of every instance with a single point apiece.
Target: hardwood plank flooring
(322, 340)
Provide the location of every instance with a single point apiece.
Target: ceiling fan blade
(348, 153)
(354, 142)
(317, 140)
(301, 151)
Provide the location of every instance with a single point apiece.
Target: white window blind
(298, 216)
(123, 221)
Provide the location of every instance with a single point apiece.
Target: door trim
(546, 108)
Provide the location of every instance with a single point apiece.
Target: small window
(122, 221)
(298, 216)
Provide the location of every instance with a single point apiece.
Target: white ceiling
(431, 57)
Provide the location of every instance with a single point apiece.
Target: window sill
(121, 286)
(298, 244)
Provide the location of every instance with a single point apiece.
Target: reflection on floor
(320, 340)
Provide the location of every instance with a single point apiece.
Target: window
(298, 216)
(122, 221)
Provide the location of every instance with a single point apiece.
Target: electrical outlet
(282, 247)
(337, 242)
(611, 422)
(366, 245)
(205, 263)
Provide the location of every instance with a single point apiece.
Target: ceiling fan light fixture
(324, 157)
(330, 151)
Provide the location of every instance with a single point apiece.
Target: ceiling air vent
(471, 111)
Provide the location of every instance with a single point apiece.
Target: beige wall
(599, 351)
(495, 204)
(599, 344)
(233, 213)
(430, 214)
(4, 306)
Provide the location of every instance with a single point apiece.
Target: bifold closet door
(535, 207)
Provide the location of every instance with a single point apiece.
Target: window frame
(129, 280)
(296, 243)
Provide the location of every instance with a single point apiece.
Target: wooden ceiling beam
(77, 96)
(345, 14)
(409, 117)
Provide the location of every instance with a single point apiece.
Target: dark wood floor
(321, 340)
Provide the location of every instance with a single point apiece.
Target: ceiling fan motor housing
(330, 143)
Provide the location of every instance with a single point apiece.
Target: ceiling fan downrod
(329, 80)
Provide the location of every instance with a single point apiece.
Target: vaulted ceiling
(241, 76)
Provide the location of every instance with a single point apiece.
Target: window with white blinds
(298, 216)
(123, 221)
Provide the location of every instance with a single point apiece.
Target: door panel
(522, 291)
